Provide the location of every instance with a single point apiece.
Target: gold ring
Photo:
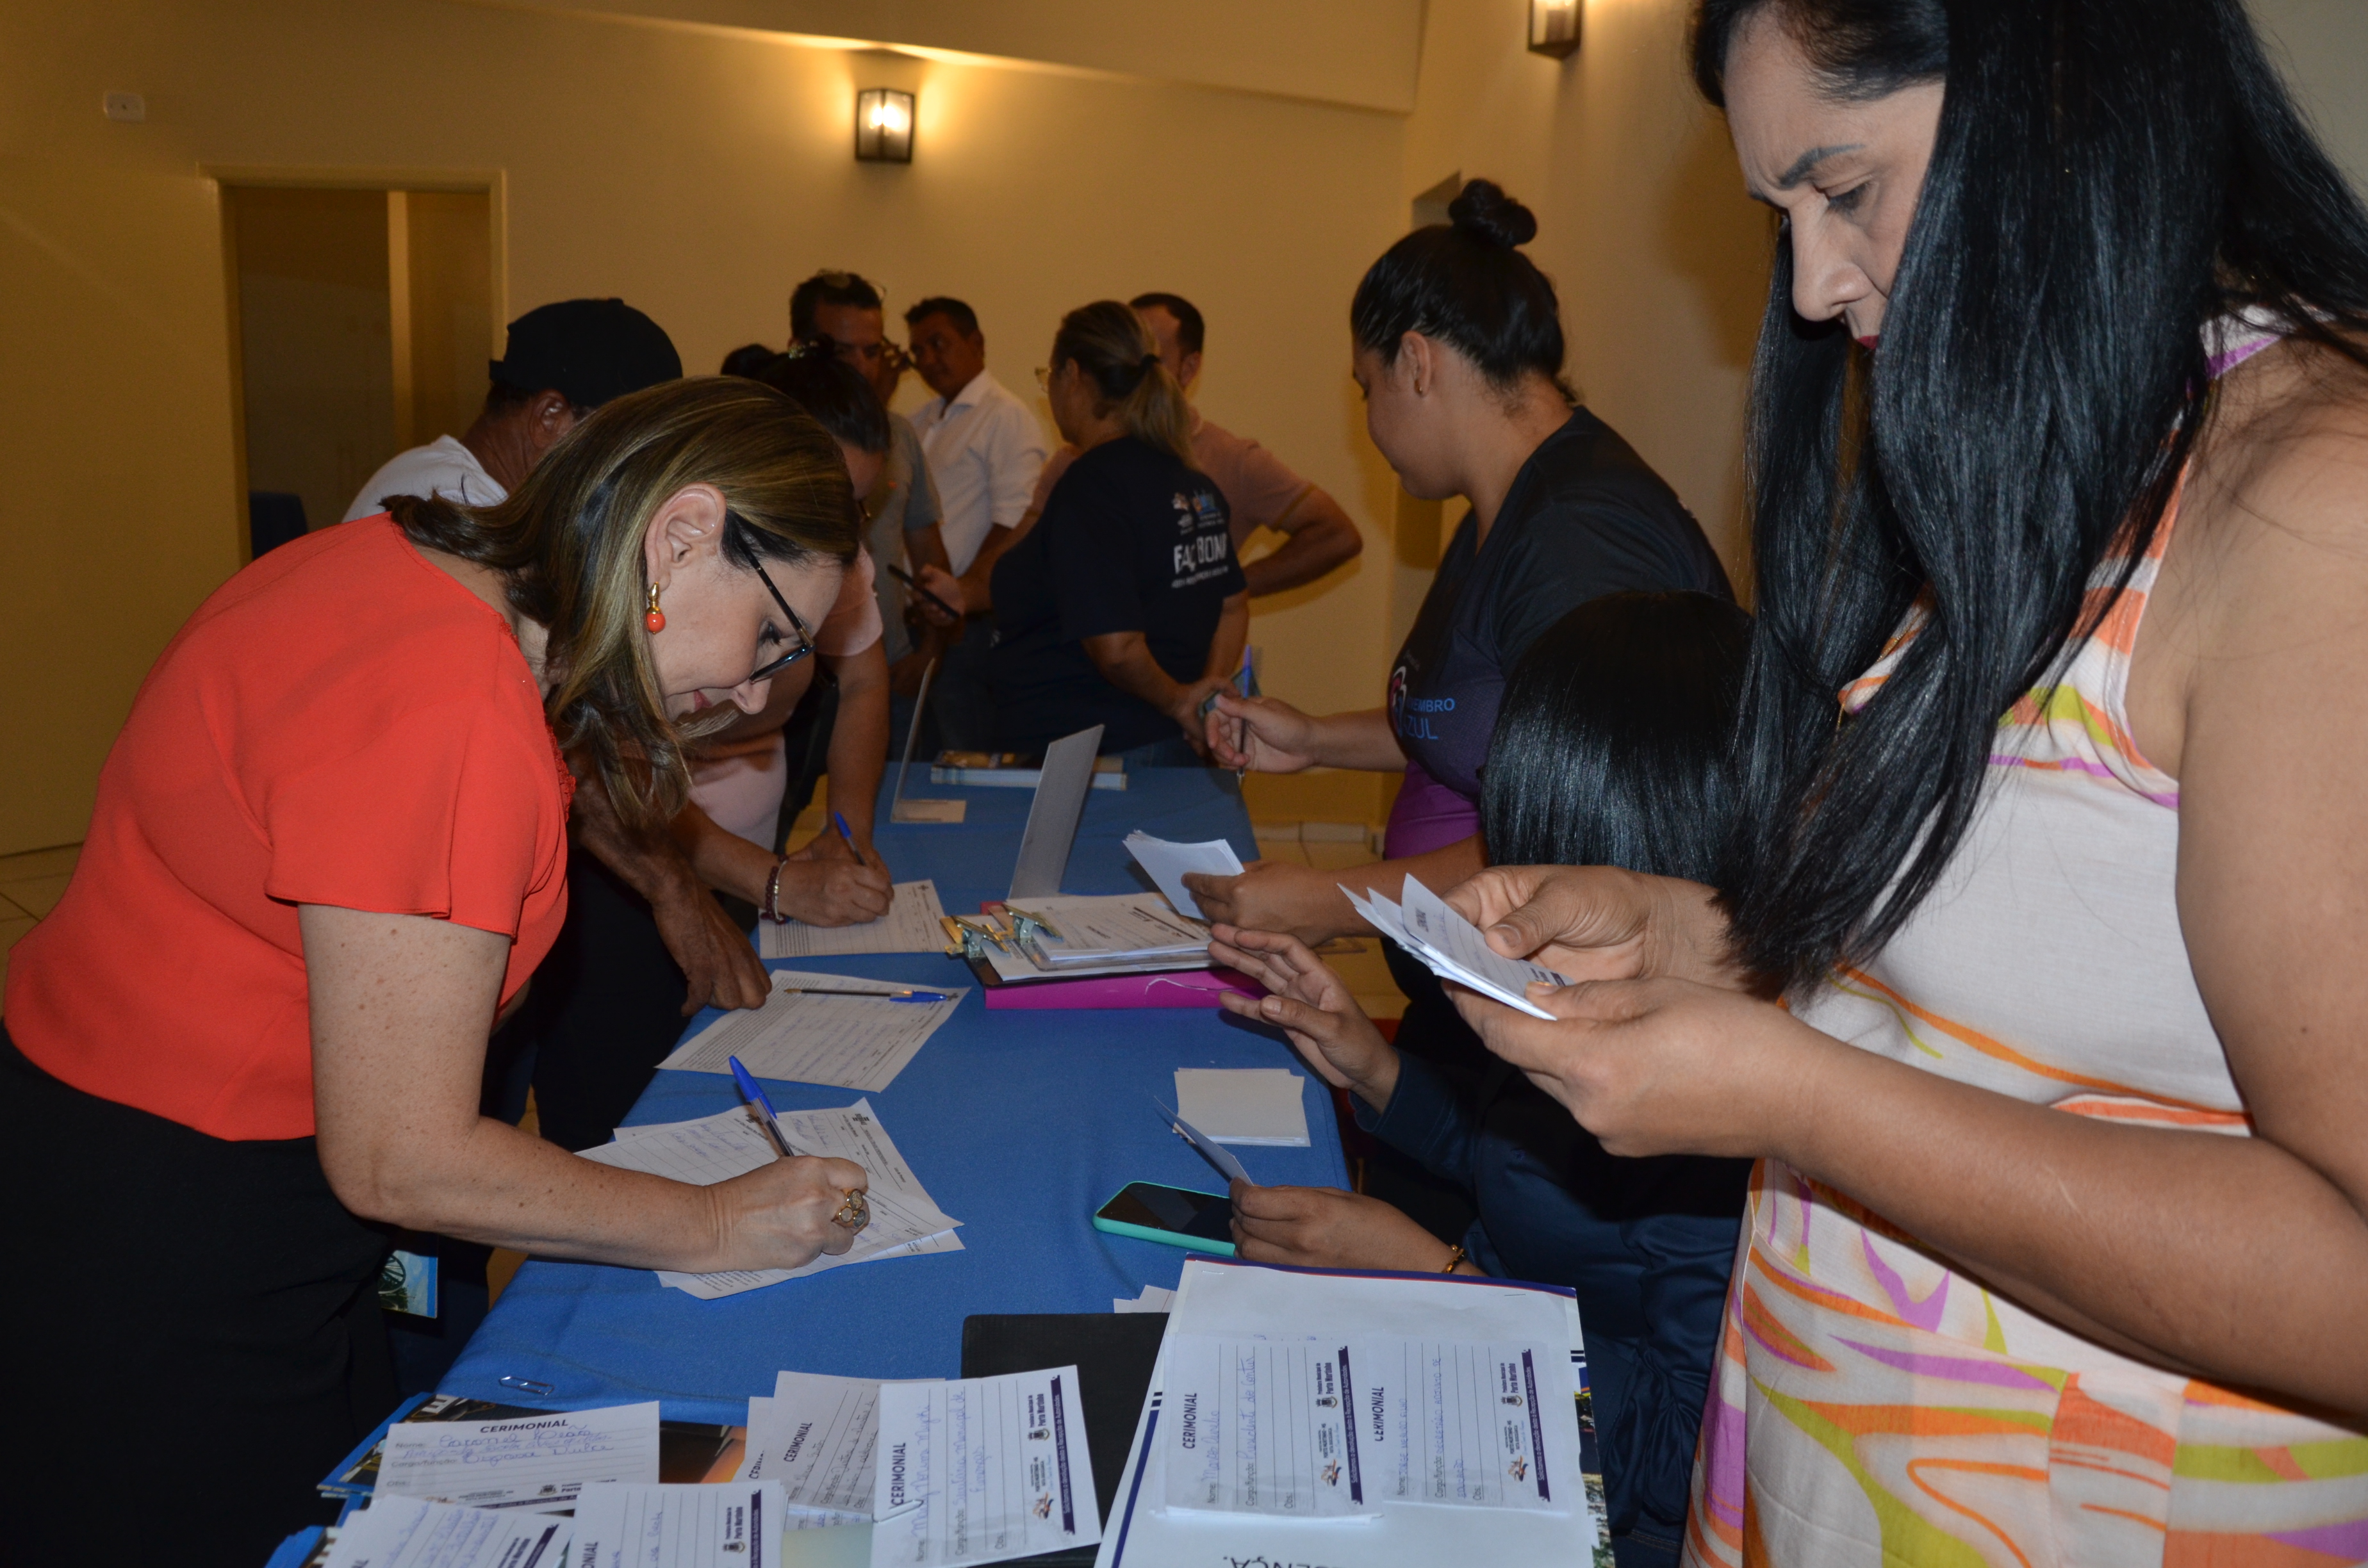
(853, 1214)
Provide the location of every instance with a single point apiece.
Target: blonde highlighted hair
(1108, 342)
(569, 539)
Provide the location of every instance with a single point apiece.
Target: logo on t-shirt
(1210, 548)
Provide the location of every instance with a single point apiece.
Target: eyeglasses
(805, 638)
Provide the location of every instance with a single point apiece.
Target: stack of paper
(1380, 1420)
(1243, 1104)
(1166, 864)
(849, 1042)
(528, 1463)
(1134, 933)
(913, 924)
(817, 1438)
(1454, 946)
(904, 1220)
(983, 1469)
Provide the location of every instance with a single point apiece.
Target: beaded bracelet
(1454, 1259)
(773, 894)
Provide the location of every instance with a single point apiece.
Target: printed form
(905, 1221)
(1262, 1426)
(526, 1461)
(1453, 947)
(983, 1469)
(411, 1533)
(817, 1437)
(735, 1525)
(911, 926)
(847, 1043)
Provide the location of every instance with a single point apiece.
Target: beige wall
(2323, 45)
(698, 175)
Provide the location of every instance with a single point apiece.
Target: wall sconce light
(883, 126)
(1553, 28)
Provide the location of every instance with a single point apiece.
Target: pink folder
(1184, 988)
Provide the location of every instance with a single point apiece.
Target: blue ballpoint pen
(756, 1093)
(840, 823)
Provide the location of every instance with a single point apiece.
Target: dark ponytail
(2108, 177)
(1467, 283)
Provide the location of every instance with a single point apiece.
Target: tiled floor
(30, 885)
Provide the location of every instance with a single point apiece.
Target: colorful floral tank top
(1870, 1404)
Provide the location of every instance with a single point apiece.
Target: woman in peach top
(2057, 1251)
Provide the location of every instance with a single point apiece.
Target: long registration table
(1020, 1123)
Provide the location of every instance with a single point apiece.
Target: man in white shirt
(985, 448)
(560, 363)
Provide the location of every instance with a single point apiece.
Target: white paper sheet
(909, 926)
(1262, 1426)
(817, 1437)
(1464, 1425)
(905, 1220)
(1154, 1299)
(411, 1533)
(524, 1461)
(847, 1042)
(735, 1525)
(1453, 947)
(1109, 927)
(1245, 1301)
(1227, 1165)
(1166, 863)
(983, 1469)
(1243, 1104)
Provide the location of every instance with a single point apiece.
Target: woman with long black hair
(2057, 1251)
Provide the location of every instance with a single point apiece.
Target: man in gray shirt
(902, 514)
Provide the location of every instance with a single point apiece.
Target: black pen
(909, 580)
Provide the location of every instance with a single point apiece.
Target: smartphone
(1174, 1216)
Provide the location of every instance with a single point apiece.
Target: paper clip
(1026, 925)
(525, 1385)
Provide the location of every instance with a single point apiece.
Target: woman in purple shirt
(1458, 351)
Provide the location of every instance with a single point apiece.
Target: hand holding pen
(783, 1213)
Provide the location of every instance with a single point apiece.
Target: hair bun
(1485, 213)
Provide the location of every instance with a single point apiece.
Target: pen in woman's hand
(839, 821)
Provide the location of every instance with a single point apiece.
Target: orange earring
(655, 619)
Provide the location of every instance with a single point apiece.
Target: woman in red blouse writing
(329, 849)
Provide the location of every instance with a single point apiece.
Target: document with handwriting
(411, 1533)
(982, 1469)
(849, 1042)
(734, 1524)
(522, 1462)
(911, 926)
(817, 1437)
(905, 1220)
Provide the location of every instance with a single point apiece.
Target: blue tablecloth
(1019, 1123)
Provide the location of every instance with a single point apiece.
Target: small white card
(1243, 1104)
(1166, 863)
(735, 1525)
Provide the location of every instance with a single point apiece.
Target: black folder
(1114, 1354)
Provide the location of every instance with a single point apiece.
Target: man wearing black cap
(563, 361)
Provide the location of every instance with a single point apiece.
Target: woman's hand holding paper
(1663, 1066)
(1312, 1005)
(1601, 923)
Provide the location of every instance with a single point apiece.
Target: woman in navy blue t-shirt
(1124, 607)
(1458, 351)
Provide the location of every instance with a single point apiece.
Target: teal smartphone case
(1165, 1238)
